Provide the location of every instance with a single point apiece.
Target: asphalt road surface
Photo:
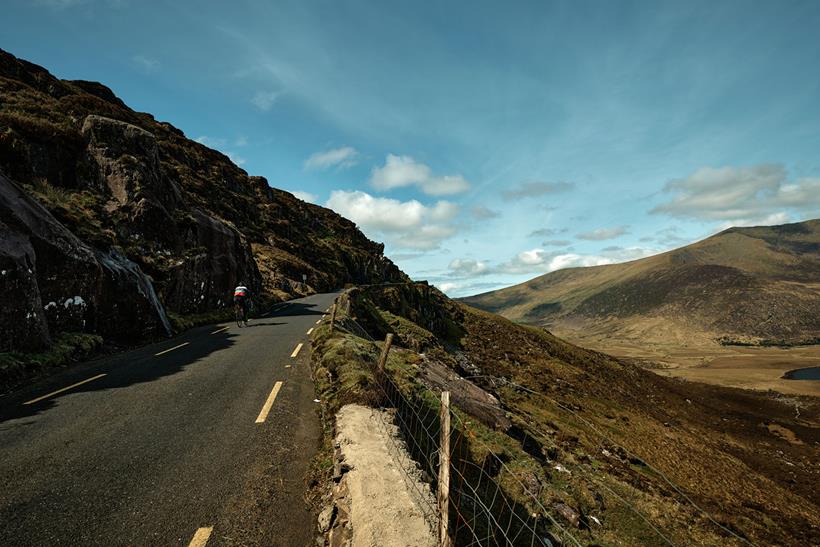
(189, 441)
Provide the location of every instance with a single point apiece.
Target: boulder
(127, 162)
(50, 281)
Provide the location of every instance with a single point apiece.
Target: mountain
(743, 285)
(111, 220)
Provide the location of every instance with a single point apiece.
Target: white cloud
(623, 254)
(483, 213)
(241, 141)
(603, 233)
(768, 220)
(340, 157)
(264, 100)
(144, 63)
(468, 267)
(740, 196)
(547, 232)
(305, 196)
(401, 171)
(237, 159)
(539, 261)
(448, 286)
(211, 142)
(533, 261)
(402, 224)
(535, 189)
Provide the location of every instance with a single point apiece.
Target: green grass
(69, 347)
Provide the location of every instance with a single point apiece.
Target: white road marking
(310, 330)
(46, 396)
(297, 350)
(319, 321)
(263, 414)
(220, 330)
(172, 349)
(201, 537)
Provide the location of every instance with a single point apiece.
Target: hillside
(110, 221)
(747, 285)
(575, 435)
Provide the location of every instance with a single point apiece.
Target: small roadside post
(444, 472)
(332, 317)
(388, 341)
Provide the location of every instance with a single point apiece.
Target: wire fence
(481, 510)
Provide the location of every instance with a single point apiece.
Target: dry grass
(726, 449)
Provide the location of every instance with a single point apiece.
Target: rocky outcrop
(104, 197)
(50, 281)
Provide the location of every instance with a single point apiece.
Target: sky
(484, 143)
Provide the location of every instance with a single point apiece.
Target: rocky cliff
(108, 218)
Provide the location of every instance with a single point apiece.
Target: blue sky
(484, 142)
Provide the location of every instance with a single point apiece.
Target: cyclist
(241, 298)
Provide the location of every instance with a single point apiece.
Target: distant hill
(110, 218)
(743, 285)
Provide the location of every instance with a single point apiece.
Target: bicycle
(240, 315)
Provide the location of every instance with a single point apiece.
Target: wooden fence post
(333, 317)
(444, 472)
(388, 341)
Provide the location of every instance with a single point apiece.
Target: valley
(757, 368)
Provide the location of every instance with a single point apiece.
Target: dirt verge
(379, 499)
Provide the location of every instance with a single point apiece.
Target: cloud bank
(535, 189)
(740, 196)
(401, 224)
(602, 234)
(341, 158)
(402, 171)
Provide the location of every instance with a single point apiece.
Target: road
(189, 441)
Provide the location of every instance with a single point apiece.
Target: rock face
(51, 281)
(110, 217)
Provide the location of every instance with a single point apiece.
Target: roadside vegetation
(616, 454)
(68, 348)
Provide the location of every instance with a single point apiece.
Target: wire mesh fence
(480, 512)
(481, 509)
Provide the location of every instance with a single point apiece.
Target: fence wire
(480, 510)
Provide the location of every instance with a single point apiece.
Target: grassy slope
(758, 282)
(718, 444)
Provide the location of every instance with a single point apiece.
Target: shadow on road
(260, 323)
(121, 370)
(136, 366)
(296, 308)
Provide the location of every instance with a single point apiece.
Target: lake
(811, 373)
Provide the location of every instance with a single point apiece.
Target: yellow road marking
(296, 351)
(310, 330)
(201, 537)
(220, 330)
(171, 349)
(63, 389)
(269, 403)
